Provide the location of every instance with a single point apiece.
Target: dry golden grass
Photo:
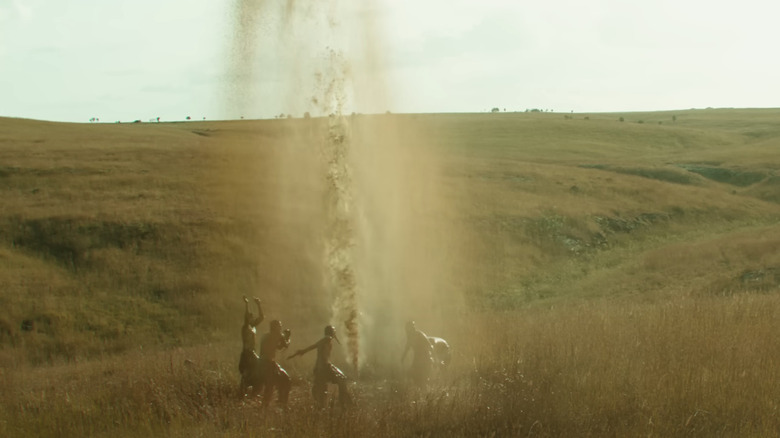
(689, 366)
(620, 279)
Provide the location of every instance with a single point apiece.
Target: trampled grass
(613, 287)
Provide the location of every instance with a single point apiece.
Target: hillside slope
(113, 236)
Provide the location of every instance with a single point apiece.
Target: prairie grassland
(622, 278)
(693, 366)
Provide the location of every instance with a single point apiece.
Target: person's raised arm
(247, 314)
(260, 316)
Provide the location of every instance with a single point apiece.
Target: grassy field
(619, 274)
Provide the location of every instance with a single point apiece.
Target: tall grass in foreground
(690, 366)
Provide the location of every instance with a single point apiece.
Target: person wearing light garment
(325, 372)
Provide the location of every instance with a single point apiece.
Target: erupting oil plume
(361, 195)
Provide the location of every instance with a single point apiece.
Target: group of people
(262, 373)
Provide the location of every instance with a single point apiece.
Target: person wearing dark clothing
(325, 372)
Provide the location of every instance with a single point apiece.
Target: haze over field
(75, 60)
(600, 274)
(626, 271)
(368, 205)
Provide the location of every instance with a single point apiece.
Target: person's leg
(268, 394)
(345, 398)
(340, 379)
(243, 385)
(269, 382)
(284, 384)
(244, 369)
(320, 392)
(253, 376)
(421, 370)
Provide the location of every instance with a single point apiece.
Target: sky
(123, 61)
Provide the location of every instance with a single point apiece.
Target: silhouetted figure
(248, 364)
(422, 363)
(325, 372)
(273, 375)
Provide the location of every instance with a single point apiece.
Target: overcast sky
(125, 60)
